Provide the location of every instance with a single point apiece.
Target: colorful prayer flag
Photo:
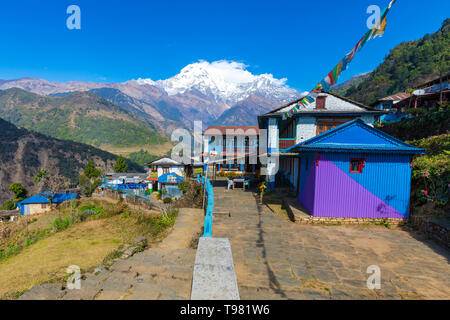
(364, 39)
(310, 99)
(332, 77)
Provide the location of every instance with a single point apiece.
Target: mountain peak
(224, 81)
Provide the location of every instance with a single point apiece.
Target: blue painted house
(39, 203)
(354, 171)
(169, 185)
(328, 111)
(231, 148)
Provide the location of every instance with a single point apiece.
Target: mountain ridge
(79, 116)
(223, 84)
(25, 153)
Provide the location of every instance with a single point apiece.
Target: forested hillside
(79, 116)
(24, 153)
(407, 65)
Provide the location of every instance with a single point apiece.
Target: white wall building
(328, 111)
(162, 166)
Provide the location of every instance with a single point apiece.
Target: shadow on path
(274, 284)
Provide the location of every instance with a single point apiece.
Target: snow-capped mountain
(226, 82)
(201, 91)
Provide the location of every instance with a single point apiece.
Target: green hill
(79, 116)
(406, 66)
(24, 153)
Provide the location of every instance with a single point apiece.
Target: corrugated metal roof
(165, 161)
(355, 135)
(248, 130)
(165, 178)
(57, 198)
(348, 105)
(397, 96)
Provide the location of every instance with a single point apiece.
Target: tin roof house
(161, 167)
(354, 171)
(426, 96)
(39, 203)
(328, 111)
(389, 104)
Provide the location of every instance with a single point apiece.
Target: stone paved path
(160, 272)
(277, 259)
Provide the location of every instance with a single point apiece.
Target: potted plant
(262, 189)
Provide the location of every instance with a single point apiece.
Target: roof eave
(300, 149)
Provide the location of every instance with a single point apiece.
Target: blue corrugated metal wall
(387, 176)
(306, 194)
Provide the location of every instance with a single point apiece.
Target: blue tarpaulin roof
(57, 198)
(165, 178)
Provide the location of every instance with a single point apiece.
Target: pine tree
(91, 171)
(120, 165)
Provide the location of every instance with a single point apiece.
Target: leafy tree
(142, 157)
(20, 193)
(8, 205)
(91, 171)
(49, 184)
(89, 181)
(39, 176)
(120, 165)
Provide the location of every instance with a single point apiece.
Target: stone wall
(298, 214)
(326, 220)
(434, 229)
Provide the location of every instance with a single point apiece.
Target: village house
(40, 203)
(328, 111)
(389, 104)
(160, 167)
(231, 148)
(354, 171)
(425, 96)
(169, 185)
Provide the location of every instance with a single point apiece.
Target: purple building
(354, 171)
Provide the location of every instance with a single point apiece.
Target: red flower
(425, 191)
(425, 173)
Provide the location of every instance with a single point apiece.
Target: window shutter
(320, 102)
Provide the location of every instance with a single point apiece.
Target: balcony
(237, 149)
(284, 143)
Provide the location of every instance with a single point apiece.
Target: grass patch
(42, 255)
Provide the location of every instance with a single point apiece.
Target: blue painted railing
(207, 228)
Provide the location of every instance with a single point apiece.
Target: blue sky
(121, 40)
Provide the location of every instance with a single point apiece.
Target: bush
(183, 186)
(167, 200)
(8, 205)
(62, 223)
(430, 124)
(416, 112)
(431, 172)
